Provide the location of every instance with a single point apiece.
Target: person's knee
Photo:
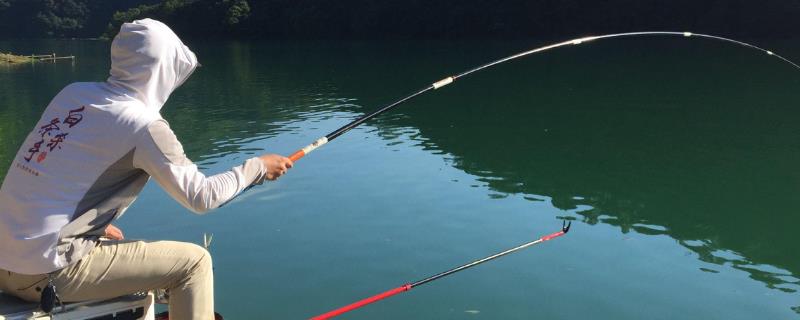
(197, 267)
(200, 257)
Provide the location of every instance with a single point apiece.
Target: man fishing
(85, 162)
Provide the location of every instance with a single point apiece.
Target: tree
(64, 17)
(235, 11)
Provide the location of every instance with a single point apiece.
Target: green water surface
(676, 159)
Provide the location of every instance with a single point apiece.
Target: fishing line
(448, 80)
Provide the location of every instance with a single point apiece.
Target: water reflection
(710, 162)
(660, 145)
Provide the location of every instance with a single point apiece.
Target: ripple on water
(604, 181)
(649, 229)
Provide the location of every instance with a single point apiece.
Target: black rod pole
(564, 230)
(446, 81)
(383, 295)
(357, 122)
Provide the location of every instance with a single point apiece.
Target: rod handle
(364, 302)
(307, 149)
(297, 155)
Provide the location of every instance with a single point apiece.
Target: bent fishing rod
(408, 286)
(448, 80)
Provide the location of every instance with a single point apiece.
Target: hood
(148, 59)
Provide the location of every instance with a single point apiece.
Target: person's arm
(160, 154)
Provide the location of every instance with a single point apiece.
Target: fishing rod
(408, 286)
(448, 80)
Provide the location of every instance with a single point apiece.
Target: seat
(137, 306)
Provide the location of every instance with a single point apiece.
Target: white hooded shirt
(95, 147)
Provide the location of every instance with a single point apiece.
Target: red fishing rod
(409, 286)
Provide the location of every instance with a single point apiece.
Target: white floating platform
(130, 307)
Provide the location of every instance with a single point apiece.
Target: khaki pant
(117, 268)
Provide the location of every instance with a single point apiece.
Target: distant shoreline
(15, 59)
(9, 58)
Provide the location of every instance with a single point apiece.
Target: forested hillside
(400, 19)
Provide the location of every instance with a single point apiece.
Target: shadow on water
(699, 143)
(694, 141)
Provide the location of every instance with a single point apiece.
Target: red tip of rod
(359, 304)
(564, 229)
(554, 235)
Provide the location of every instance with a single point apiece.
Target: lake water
(676, 159)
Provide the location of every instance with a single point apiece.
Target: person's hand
(113, 233)
(276, 164)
